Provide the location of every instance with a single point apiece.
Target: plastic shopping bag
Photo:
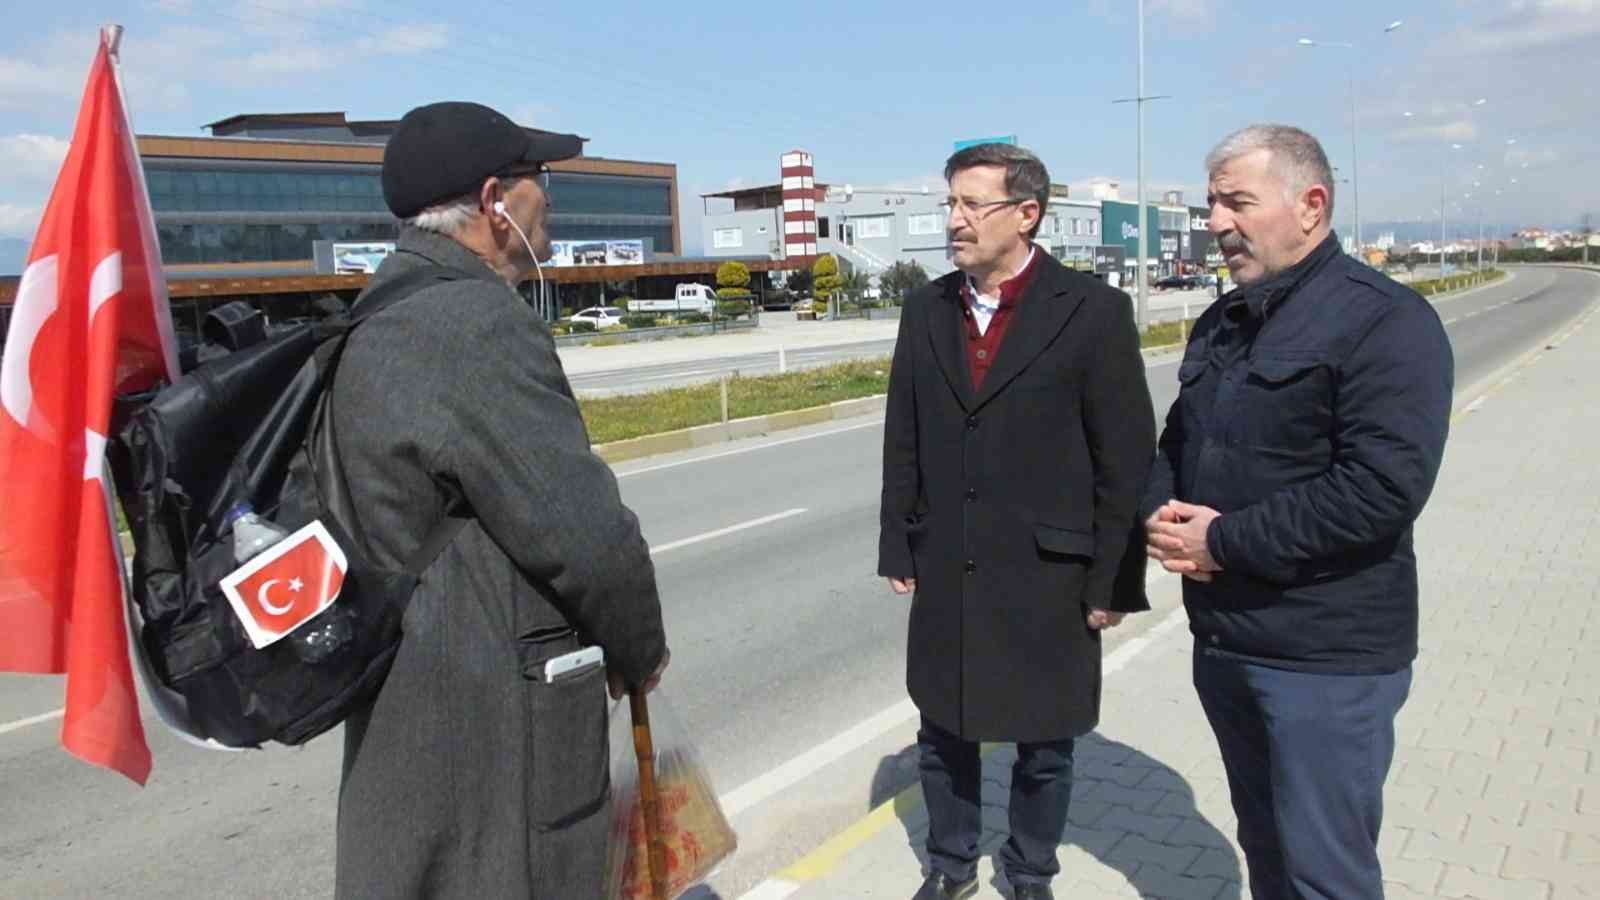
(698, 836)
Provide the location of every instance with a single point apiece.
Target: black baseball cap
(445, 150)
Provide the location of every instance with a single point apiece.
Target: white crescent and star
(262, 596)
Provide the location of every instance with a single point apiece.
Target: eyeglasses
(970, 209)
(540, 171)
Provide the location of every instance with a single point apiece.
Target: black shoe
(1033, 892)
(938, 886)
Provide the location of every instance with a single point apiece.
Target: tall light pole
(1355, 174)
(1142, 303)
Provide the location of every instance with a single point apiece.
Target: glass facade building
(267, 201)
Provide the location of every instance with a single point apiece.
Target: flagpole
(111, 37)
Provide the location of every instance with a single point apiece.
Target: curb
(757, 426)
(737, 429)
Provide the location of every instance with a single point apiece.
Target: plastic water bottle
(251, 533)
(317, 639)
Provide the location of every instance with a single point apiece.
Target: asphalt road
(782, 638)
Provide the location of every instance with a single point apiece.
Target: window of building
(1094, 226)
(822, 226)
(872, 227)
(924, 223)
(725, 238)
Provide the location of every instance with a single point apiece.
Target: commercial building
(264, 191)
(870, 228)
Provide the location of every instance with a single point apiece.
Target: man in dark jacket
(474, 774)
(1016, 444)
(1303, 444)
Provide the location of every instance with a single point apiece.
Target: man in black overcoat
(1017, 440)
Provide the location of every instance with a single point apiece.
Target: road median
(630, 426)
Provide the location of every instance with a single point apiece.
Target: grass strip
(626, 416)
(634, 415)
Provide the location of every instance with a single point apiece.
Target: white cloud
(1188, 13)
(24, 83)
(534, 115)
(1527, 25)
(400, 40)
(1459, 130)
(32, 157)
(290, 61)
(18, 221)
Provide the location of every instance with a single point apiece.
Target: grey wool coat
(465, 778)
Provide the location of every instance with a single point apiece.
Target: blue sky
(876, 91)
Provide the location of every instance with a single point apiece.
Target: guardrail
(634, 335)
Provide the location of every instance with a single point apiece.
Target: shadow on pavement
(1126, 808)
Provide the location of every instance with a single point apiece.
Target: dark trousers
(1041, 788)
(1306, 756)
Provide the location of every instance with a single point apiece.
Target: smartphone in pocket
(571, 665)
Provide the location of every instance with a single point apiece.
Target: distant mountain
(1455, 228)
(13, 253)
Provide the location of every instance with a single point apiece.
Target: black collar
(1258, 300)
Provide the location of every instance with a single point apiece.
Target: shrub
(579, 326)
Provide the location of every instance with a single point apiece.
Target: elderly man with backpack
(479, 770)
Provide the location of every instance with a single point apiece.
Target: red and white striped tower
(799, 207)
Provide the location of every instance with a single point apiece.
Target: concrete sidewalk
(1495, 791)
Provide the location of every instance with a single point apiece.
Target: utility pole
(1142, 299)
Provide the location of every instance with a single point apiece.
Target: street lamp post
(1355, 174)
(1142, 303)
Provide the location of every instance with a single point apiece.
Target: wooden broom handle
(649, 797)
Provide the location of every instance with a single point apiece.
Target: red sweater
(981, 348)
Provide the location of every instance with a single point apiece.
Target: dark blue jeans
(1306, 756)
(1041, 788)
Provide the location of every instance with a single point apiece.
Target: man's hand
(1100, 619)
(903, 585)
(614, 679)
(1176, 537)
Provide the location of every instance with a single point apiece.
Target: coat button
(1214, 640)
(972, 494)
(972, 567)
(972, 423)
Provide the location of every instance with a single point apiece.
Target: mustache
(1232, 243)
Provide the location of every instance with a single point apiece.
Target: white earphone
(500, 208)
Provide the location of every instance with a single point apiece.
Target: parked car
(600, 316)
(1179, 282)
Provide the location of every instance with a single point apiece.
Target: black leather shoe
(1033, 892)
(938, 886)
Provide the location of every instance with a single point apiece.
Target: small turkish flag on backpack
(288, 584)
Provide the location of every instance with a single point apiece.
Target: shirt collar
(1010, 289)
(1257, 301)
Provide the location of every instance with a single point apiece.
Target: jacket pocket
(1287, 403)
(1054, 541)
(571, 762)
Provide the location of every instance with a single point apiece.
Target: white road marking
(787, 775)
(20, 724)
(720, 532)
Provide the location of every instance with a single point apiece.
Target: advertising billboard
(359, 258)
(596, 253)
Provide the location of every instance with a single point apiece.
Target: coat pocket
(1063, 542)
(571, 751)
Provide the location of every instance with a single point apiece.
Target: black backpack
(252, 425)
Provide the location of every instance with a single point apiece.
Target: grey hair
(1026, 176)
(1297, 157)
(447, 218)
